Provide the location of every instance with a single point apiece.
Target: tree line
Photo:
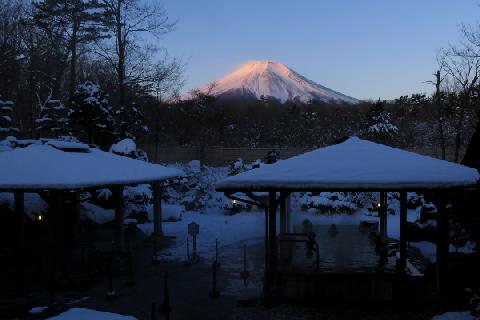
(52, 52)
(408, 122)
(91, 69)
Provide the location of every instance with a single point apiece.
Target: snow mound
(96, 214)
(82, 314)
(455, 315)
(124, 147)
(33, 203)
(37, 310)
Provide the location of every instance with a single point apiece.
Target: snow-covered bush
(96, 214)
(91, 113)
(53, 118)
(129, 122)
(137, 199)
(474, 301)
(128, 147)
(459, 234)
(6, 122)
(379, 123)
(428, 211)
(239, 166)
(196, 191)
(7, 144)
(34, 205)
(328, 202)
(414, 200)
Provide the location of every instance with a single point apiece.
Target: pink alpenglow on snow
(355, 164)
(272, 79)
(43, 166)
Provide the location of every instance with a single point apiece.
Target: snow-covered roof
(45, 167)
(354, 164)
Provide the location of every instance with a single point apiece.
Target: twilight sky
(362, 48)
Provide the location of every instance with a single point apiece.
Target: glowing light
(378, 205)
(234, 202)
(39, 217)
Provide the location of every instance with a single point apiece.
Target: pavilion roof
(355, 164)
(44, 166)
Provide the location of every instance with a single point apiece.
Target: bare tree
(462, 67)
(128, 21)
(440, 112)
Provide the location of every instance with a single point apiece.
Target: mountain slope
(273, 80)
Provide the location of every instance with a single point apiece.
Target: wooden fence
(219, 156)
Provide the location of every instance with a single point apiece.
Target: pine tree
(380, 126)
(130, 122)
(53, 119)
(6, 124)
(80, 22)
(91, 112)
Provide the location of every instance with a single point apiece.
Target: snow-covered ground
(83, 314)
(454, 315)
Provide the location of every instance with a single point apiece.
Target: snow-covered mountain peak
(259, 78)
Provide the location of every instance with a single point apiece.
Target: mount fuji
(267, 79)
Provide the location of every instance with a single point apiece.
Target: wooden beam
(119, 218)
(157, 210)
(442, 243)
(403, 232)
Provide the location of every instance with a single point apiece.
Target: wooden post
(288, 213)
(157, 210)
(381, 213)
(54, 215)
(75, 218)
(385, 212)
(283, 213)
(119, 218)
(266, 282)
(272, 226)
(20, 243)
(442, 243)
(403, 232)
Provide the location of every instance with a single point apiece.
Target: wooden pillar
(403, 232)
(288, 213)
(54, 216)
(283, 213)
(266, 280)
(381, 212)
(119, 218)
(157, 210)
(385, 212)
(20, 241)
(442, 243)
(272, 229)
(75, 218)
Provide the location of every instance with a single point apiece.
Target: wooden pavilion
(355, 165)
(61, 170)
